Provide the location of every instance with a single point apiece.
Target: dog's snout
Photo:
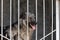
(33, 22)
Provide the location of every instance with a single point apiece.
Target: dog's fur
(23, 27)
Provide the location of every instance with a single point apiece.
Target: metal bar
(48, 34)
(4, 36)
(27, 18)
(57, 19)
(2, 18)
(36, 19)
(10, 19)
(18, 19)
(44, 18)
(52, 20)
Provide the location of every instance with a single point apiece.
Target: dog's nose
(33, 22)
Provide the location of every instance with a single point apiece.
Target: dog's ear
(22, 15)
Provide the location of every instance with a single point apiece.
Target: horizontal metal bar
(4, 36)
(48, 34)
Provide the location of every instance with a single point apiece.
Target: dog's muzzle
(32, 24)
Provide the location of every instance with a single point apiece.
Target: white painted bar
(52, 20)
(44, 18)
(10, 18)
(18, 19)
(57, 19)
(36, 19)
(27, 18)
(2, 18)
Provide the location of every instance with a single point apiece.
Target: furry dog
(23, 27)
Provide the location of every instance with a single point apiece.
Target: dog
(23, 27)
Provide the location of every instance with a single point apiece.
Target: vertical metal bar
(18, 19)
(52, 20)
(57, 19)
(27, 18)
(44, 18)
(10, 18)
(2, 18)
(36, 19)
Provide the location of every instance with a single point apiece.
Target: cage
(45, 16)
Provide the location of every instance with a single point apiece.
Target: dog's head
(31, 20)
